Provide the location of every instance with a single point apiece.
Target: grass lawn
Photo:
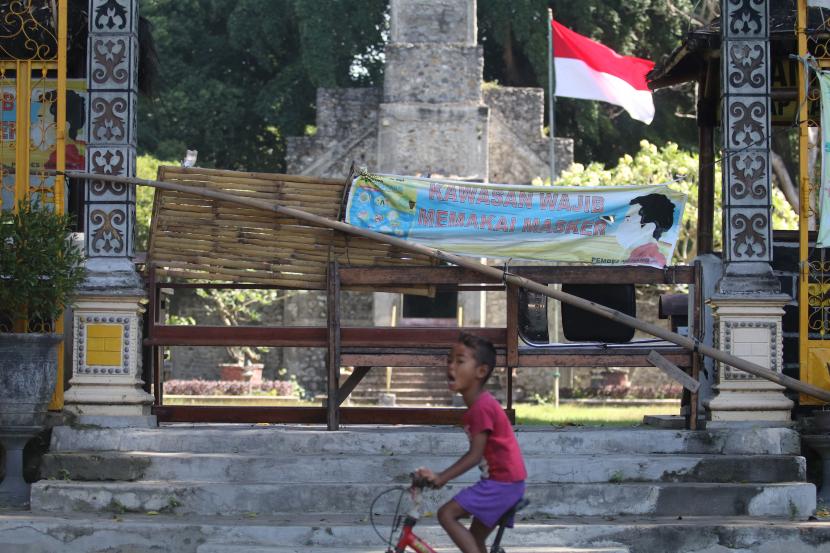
(588, 415)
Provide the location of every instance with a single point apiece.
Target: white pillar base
(107, 358)
(750, 328)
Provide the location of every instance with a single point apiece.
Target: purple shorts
(487, 500)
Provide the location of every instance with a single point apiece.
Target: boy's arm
(466, 462)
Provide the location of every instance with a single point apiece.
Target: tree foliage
(238, 76)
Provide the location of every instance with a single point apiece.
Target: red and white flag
(588, 70)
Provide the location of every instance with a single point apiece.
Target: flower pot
(28, 374)
(238, 372)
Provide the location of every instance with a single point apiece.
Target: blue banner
(633, 225)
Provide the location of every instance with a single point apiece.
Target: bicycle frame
(409, 539)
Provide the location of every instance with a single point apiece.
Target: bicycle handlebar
(420, 483)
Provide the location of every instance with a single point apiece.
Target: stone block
(433, 73)
(522, 107)
(341, 111)
(449, 140)
(436, 21)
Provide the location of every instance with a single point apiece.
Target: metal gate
(33, 82)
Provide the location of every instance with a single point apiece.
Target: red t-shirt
(502, 457)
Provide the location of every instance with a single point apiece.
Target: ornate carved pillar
(106, 354)
(747, 304)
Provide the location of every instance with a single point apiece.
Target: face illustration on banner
(645, 221)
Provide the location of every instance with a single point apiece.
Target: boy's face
(463, 371)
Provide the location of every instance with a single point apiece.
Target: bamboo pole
(493, 272)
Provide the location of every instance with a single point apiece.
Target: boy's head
(482, 350)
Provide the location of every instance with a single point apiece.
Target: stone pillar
(747, 303)
(106, 385)
(432, 118)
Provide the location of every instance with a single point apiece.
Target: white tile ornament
(749, 329)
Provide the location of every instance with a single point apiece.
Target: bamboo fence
(195, 237)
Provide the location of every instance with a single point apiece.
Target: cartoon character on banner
(639, 232)
(385, 209)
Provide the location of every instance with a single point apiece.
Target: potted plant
(40, 272)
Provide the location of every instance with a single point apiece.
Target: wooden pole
(493, 272)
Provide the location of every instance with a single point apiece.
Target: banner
(42, 130)
(619, 225)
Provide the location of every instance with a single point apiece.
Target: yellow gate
(33, 50)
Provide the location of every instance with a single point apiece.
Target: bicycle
(408, 538)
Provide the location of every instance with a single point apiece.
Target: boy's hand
(426, 474)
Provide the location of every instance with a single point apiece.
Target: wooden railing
(365, 348)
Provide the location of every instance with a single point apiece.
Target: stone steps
(234, 548)
(796, 500)
(414, 440)
(391, 469)
(411, 386)
(232, 470)
(105, 533)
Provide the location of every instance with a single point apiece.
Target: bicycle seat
(502, 524)
(520, 504)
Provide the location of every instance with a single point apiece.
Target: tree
(238, 76)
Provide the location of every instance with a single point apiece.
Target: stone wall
(347, 120)
(518, 151)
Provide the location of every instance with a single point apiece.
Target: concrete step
(795, 500)
(419, 392)
(314, 440)
(26, 532)
(403, 402)
(412, 400)
(235, 548)
(276, 468)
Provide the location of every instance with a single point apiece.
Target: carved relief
(108, 162)
(109, 121)
(747, 65)
(107, 232)
(748, 176)
(749, 235)
(747, 123)
(746, 17)
(110, 56)
(111, 15)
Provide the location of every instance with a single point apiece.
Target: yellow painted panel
(817, 370)
(112, 344)
(103, 331)
(105, 358)
(103, 344)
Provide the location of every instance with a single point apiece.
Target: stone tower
(432, 117)
(432, 113)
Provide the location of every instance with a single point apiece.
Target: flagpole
(551, 84)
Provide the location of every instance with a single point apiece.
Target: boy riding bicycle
(493, 447)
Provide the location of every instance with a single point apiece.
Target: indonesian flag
(588, 70)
